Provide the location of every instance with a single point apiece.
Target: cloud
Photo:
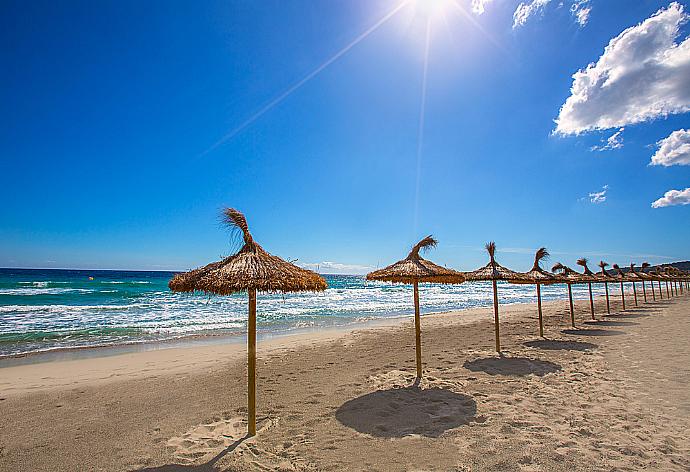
(479, 6)
(673, 197)
(581, 10)
(673, 150)
(599, 197)
(642, 75)
(328, 267)
(615, 141)
(524, 11)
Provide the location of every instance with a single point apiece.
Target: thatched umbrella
(645, 276)
(605, 277)
(413, 270)
(675, 273)
(656, 275)
(569, 277)
(590, 275)
(621, 277)
(250, 270)
(494, 272)
(634, 276)
(665, 277)
(539, 277)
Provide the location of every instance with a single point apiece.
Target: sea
(46, 310)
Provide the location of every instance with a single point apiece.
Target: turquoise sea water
(52, 309)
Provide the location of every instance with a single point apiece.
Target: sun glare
(431, 8)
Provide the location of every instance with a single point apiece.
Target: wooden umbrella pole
(417, 331)
(668, 292)
(251, 364)
(623, 295)
(608, 305)
(541, 321)
(572, 312)
(661, 293)
(635, 293)
(591, 299)
(653, 290)
(498, 336)
(644, 292)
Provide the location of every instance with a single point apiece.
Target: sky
(345, 130)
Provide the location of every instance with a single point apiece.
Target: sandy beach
(607, 396)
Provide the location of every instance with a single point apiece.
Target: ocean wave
(61, 309)
(43, 283)
(42, 291)
(124, 281)
(67, 334)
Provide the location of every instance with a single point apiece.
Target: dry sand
(611, 396)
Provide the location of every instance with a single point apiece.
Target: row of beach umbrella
(253, 270)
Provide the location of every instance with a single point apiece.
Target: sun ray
(469, 17)
(420, 129)
(267, 107)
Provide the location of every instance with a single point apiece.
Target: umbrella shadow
(591, 332)
(614, 323)
(400, 412)
(629, 314)
(512, 366)
(205, 467)
(559, 344)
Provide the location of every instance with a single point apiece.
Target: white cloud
(581, 9)
(615, 141)
(524, 11)
(673, 150)
(328, 267)
(673, 197)
(642, 75)
(479, 6)
(599, 197)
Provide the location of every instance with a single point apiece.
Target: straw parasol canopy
(251, 269)
(538, 277)
(413, 270)
(591, 278)
(494, 272)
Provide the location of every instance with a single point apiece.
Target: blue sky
(120, 140)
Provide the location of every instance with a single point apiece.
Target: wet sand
(607, 396)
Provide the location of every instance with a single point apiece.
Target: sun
(431, 8)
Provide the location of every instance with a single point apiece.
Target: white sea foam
(42, 291)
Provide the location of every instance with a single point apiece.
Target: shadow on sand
(629, 314)
(557, 344)
(206, 467)
(614, 323)
(592, 332)
(400, 412)
(513, 366)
